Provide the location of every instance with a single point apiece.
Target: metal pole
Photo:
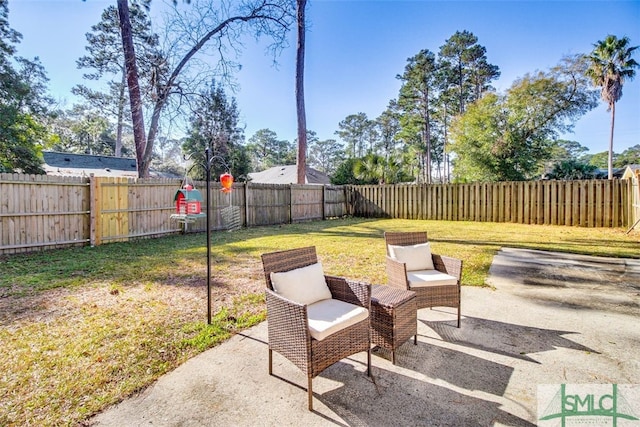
(207, 164)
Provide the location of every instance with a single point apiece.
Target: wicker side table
(394, 317)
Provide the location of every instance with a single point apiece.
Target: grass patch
(83, 328)
(224, 323)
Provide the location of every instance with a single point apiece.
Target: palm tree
(611, 64)
(370, 168)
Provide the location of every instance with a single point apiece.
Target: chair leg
(310, 393)
(369, 362)
(415, 339)
(458, 316)
(270, 362)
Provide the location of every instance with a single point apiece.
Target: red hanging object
(226, 179)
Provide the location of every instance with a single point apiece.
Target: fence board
(584, 204)
(562, 203)
(618, 216)
(552, 209)
(519, 198)
(568, 193)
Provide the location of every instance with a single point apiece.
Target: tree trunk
(135, 98)
(444, 148)
(121, 102)
(302, 120)
(427, 119)
(461, 106)
(613, 119)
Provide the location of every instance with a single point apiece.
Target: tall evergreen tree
(214, 125)
(23, 104)
(266, 150)
(105, 58)
(467, 67)
(92, 133)
(325, 155)
(415, 100)
(356, 130)
(445, 111)
(388, 126)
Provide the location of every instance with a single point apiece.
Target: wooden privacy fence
(268, 204)
(39, 211)
(593, 203)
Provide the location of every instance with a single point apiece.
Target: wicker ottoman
(393, 317)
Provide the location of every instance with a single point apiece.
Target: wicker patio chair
(288, 322)
(439, 293)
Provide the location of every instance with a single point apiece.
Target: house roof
(70, 164)
(630, 171)
(288, 175)
(616, 172)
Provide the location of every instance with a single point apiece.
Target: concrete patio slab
(549, 318)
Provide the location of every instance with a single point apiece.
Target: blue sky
(355, 49)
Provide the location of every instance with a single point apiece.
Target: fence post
(633, 202)
(347, 204)
(95, 225)
(290, 203)
(324, 202)
(246, 204)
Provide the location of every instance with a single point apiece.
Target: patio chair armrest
(351, 291)
(448, 265)
(288, 326)
(397, 274)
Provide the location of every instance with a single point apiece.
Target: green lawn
(83, 328)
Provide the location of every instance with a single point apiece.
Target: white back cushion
(417, 257)
(304, 285)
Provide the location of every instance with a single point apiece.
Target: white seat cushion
(304, 285)
(423, 278)
(416, 257)
(331, 315)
